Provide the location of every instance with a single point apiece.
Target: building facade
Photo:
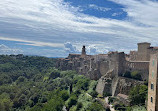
(153, 84)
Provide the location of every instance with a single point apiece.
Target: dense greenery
(138, 95)
(134, 75)
(33, 84)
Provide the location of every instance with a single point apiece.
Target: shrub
(136, 75)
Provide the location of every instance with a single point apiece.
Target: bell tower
(83, 51)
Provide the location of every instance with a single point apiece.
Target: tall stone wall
(133, 56)
(140, 66)
(117, 62)
(125, 84)
(104, 67)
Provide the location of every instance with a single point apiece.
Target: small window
(152, 86)
(151, 99)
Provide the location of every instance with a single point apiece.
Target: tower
(153, 84)
(83, 51)
(143, 51)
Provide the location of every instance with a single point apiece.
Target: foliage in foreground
(32, 84)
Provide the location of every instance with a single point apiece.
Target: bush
(136, 75)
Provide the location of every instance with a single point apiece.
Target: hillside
(33, 84)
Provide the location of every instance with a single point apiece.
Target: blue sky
(54, 28)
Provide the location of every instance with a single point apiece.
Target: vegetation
(134, 75)
(33, 84)
(136, 108)
(138, 95)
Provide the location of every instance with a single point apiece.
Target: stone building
(153, 84)
(143, 53)
(108, 68)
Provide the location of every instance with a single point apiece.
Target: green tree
(138, 94)
(96, 107)
(5, 102)
(55, 104)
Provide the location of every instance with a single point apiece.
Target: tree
(96, 107)
(138, 94)
(5, 102)
(55, 104)
(71, 101)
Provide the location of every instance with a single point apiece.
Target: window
(151, 99)
(152, 86)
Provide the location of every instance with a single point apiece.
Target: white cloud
(99, 8)
(33, 43)
(7, 50)
(116, 14)
(70, 48)
(56, 22)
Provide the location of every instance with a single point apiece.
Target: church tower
(83, 51)
(153, 84)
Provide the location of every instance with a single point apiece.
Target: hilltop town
(111, 69)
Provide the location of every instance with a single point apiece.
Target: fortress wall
(104, 67)
(141, 66)
(117, 62)
(133, 55)
(124, 85)
(121, 63)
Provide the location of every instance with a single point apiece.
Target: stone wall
(125, 84)
(140, 66)
(114, 86)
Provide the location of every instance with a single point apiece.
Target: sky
(55, 28)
